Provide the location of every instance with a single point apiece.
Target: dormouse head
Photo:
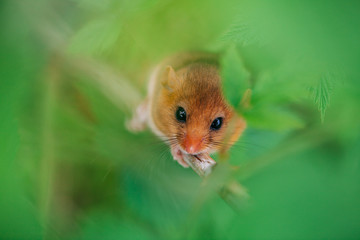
(199, 115)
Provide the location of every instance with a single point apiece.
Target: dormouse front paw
(178, 156)
(138, 121)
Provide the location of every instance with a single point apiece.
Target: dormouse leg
(139, 119)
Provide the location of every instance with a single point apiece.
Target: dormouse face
(199, 115)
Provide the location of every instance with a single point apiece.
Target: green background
(72, 69)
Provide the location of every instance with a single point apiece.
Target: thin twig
(201, 164)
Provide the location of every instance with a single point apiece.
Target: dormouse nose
(192, 143)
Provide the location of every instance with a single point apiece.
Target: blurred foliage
(71, 170)
(236, 79)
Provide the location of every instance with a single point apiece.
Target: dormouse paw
(138, 122)
(178, 156)
(134, 125)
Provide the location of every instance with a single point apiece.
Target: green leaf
(236, 79)
(273, 118)
(273, 89)
(322, 94)
(243, 33)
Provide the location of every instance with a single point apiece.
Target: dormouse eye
(180, 114)
(216, 124)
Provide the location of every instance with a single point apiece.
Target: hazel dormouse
(186, 108)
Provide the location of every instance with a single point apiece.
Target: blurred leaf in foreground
(93, 4)
(97, 36)
(274, 118)
(236, 79)
(243, 33)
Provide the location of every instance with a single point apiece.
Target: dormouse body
(186, 108)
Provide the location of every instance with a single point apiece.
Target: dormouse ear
(170, 79)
